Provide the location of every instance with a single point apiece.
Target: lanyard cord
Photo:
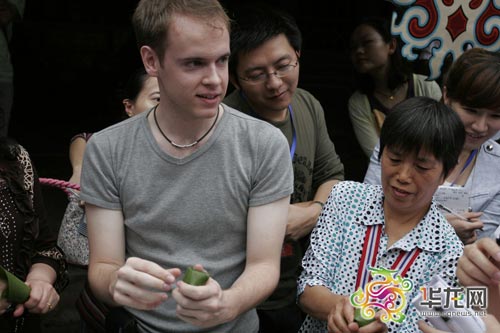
(369, 256)
(469, 160)
(293, 146)
(294, 135)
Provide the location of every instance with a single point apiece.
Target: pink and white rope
(61, 184)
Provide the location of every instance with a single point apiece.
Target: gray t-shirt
(180, 212)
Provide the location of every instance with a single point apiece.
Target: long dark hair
(135, 83)
(399, 69)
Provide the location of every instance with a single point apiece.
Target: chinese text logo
(458, 300)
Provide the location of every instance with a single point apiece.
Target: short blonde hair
(152, 19)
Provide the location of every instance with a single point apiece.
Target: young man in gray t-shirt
(191, 182)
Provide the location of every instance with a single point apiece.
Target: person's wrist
(113, 280)
(320, 203)
(230, 304)
(31, 281)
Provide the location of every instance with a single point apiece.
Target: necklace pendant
(391, 98)
(176, 145)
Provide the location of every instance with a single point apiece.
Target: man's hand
(203, 306)
(142, 284)
(302, 218)
(466, 230)
(480, 264)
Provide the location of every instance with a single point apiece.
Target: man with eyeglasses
(264, 69)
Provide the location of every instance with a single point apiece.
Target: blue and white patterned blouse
(333, 257)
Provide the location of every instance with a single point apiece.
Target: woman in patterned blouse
(364, 229)
(27, 245)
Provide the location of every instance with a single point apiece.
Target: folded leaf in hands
(195, 278)
(16, 291)
(359, 318)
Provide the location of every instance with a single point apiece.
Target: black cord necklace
(190, 144)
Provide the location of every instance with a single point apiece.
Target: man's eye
(224, 60)
(194, 64)
(256, 77)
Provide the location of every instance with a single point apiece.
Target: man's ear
(150, 60)
(129, 107)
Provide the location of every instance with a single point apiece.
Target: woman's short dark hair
(474, 79)
(135, 83)
(424, 123)
(399, 69)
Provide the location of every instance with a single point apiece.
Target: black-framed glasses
(280, 72)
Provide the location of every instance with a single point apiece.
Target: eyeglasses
(280, 72)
